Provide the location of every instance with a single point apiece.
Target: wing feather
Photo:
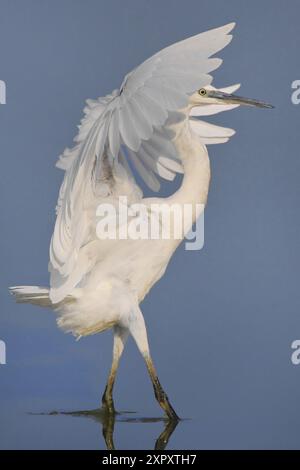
(148, 176)
(114, 134)
(133, 120)
(153, 164)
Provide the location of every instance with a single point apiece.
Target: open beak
(234, 99)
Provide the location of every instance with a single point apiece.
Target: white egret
(152, 122)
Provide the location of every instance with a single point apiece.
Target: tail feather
(71, 318)
(31, 295)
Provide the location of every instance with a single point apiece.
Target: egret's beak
(227, 98)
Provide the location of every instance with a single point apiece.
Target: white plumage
(135, 117)
(152, 123)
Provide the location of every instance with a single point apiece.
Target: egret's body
(122, 277)
(98, 284)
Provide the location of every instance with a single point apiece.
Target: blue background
(222, 320)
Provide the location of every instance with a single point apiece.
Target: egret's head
(209, 95)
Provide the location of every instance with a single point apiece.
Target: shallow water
(108, 423)
(86, 429)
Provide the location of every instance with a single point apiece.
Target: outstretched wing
(133, 118)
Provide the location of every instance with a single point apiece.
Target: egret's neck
(195, 183)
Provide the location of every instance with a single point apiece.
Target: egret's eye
(202, 92)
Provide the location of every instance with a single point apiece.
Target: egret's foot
(108, 408)
(163, 401)
(108, 404)
(168, 409)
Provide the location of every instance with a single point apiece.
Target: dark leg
(159, 392)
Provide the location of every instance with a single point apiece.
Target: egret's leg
(138, 330)
(120, 337)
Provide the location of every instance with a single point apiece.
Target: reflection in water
(108, 424)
